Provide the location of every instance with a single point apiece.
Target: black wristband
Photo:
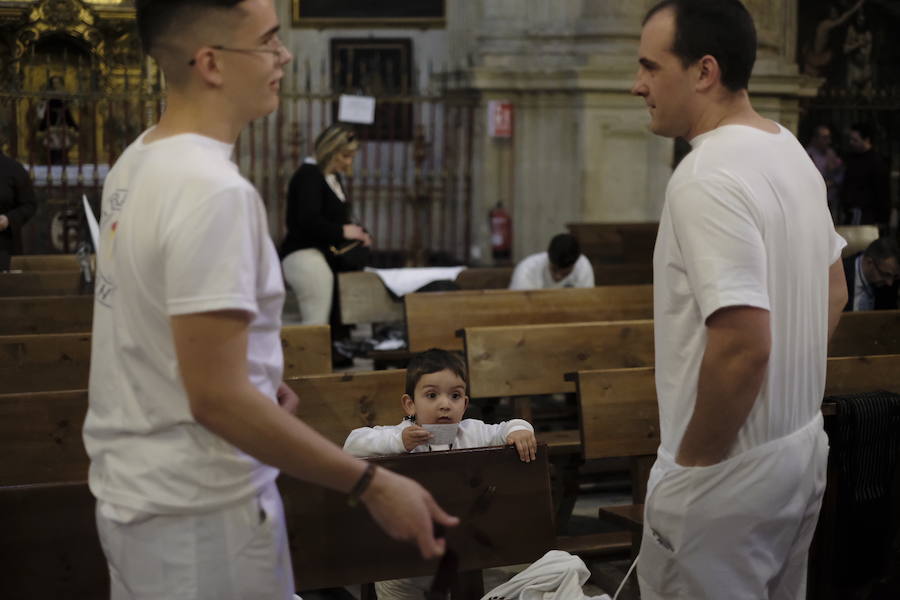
(361, 485)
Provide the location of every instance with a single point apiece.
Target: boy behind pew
(435, 394)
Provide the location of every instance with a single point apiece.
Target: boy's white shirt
(383, 440)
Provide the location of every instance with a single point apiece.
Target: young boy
(436, 394)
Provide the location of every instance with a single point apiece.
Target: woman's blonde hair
(331, 141)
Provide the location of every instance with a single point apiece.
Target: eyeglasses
(274, 46)
(891, 277)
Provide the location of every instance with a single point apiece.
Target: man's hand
(406, 511)
(287, 399)
(414, 436)
(4, 222)
(525, 444)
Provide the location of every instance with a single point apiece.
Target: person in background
(828, 163)
(17, 206)
(873, 276)
(865, 196)
(562, 265)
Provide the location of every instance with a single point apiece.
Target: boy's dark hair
(433, 361)
(865, 131)
(156, 17)
(563, 250)
(882, 249)
(721, 28)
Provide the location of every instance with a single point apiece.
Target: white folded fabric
(555, 576)
(404, 281)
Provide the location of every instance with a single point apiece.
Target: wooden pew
(364, 298)
(42, 283)
(50, 549)
(46, 314)
(433, 319)
(616, 242)
(44, 262)
(866, 332)
(624, 274)
(47, 362)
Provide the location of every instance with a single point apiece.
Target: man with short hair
(748, 286)
(828, 163)
(873, 276)
(184, 428)
(17, 206)
(562, 265)
(865, 193)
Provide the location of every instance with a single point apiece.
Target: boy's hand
(415, 436)
(525, 444)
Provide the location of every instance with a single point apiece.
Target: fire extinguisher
(501, 232)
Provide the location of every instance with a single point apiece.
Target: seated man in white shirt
(562, 265)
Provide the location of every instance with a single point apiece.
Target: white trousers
(312, 280)
(236, 553)
(740, 529)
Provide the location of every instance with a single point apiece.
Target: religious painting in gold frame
(368, 14)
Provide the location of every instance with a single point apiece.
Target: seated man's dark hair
(156, 17)
(865, 131)
(433, 361)
(882, 249)
(721, 28)
(563, 250)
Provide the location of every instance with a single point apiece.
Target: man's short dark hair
(882, 249)
(156, 17)
(433, 361)
(865, 131)
(721, 28)
(563, 250)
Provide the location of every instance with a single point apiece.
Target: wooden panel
(432, 320)
(486, 278)
(490, 489)
(519, 360)
(853, 374)
(618, 412)
(616, 242)
(40, 437)
(49, 547)
(858, 237)
(364, 299)
(337, 404)
(866, 332)
(44, 262)
(41, 283)
(46, 314)
(44, 362)
(624, 274)
(307, 349)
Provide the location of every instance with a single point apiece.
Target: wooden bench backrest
(624, 274)
(337, 404)
(485, 278)
(432, 320)
(51, 550)
(866, 332)
(619, 414)
(61, 361)
(46, 314)
(519, 360)
(44, 262)
(616, 242)
(41, 283)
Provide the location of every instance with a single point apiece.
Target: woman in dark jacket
(317, 219)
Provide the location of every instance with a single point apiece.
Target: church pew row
(46, 314)
(433, 319)
(518, 360)
(616, 242)
(51, 550)
(44, 262)
(47, 362)
(42, 283)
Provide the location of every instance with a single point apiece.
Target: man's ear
(409, 407)
(208, 65)
(708, 72)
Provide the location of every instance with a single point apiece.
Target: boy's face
(439, 398)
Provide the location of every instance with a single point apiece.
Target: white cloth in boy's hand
(442, 434)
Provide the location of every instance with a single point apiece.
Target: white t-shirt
(387, 440)
(533, 273)
(181, 232)
(745, 223)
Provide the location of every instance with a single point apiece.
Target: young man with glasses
(184, 428)
(873, 276)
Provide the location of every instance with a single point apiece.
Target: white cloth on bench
(405, 281)
(555, 576)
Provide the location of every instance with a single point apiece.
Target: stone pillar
(582, 150)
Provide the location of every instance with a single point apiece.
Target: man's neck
(185, 115)
(730, 109)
